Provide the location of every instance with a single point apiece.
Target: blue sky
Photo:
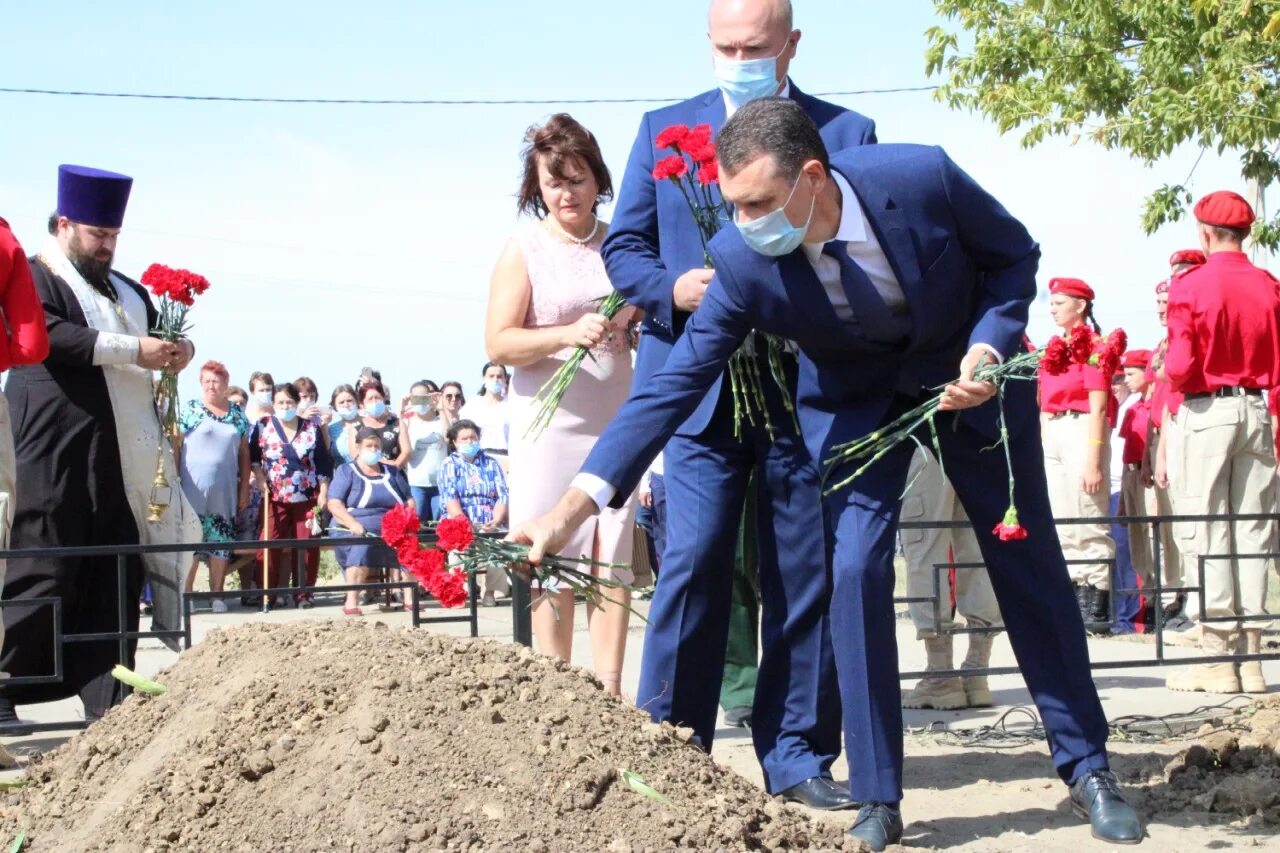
(340, 236)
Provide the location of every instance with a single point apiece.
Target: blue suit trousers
(796, 714)
(1030, 582)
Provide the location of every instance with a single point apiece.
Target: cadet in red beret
(1224, 351)
(1185, 259)
(1075, 410)
(1135, 497)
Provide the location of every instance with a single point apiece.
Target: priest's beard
(94, 268)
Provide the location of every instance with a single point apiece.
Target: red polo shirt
(1134, 431)
(27, 341)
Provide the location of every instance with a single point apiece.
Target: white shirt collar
(853, 223)
(730, 109)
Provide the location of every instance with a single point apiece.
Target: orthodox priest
(88, 439)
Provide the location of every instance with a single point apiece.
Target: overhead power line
(407, 102)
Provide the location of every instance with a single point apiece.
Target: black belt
(1226, 391)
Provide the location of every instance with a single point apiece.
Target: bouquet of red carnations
(1081, 347)
(177, 290)
(458, 553)
(694, 171)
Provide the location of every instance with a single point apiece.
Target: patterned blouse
(479, 485)
(294, 477)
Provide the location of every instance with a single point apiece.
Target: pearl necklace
(581, 241)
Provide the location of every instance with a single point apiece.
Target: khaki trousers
(1228, 467)
(929, 497)
(1066, 441)
(1137, 499)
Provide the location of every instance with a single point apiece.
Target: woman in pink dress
(543, 302)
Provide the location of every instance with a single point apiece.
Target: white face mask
(745, 80)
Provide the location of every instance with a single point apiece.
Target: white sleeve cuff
(112, 348)
(995, 353)
(596, 489)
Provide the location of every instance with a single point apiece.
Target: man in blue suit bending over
(894, 272)
(655, 259)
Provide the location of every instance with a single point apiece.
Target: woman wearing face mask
(292, 467)
(260, 396)
(309, 407)
(339, 435)
(490, 411)
(377, 415)
(213, 456)
(361, 493)
(1075, 423)
(544, 302)
(427, 428)
(473, 486)
(248, 564)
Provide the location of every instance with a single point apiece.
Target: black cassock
(70, 491)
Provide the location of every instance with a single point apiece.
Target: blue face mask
(422, 411)
(370, 457)
(288, 415)
(745, 80)
(376, 410)
(773, 235)
(496, 387)
(347, 414)
(471, 448)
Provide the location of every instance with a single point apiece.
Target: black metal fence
(940, 600)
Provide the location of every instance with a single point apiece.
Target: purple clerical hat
(93, 196)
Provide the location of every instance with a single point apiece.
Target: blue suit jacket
(653, 239)
(967, 269)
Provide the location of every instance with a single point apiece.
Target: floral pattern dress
(210, 467)
(478, 485)
(295, 468)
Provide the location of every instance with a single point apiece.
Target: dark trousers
(1030, 582)
(1127, 607)
(796, 706)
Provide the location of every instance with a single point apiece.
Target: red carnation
(1081, 342)
(708, 173)
(672, 137)
(426, 564)
(1118, 342)
(672, 167)
(454, 534)
(400, 526)
(704, 154)
(1009, 530)
(450, 589)
(1055, 360)
(698, 138)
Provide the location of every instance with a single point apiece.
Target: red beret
(1162, 286)
(1195, 257)
(1071, 287)
(1224, 209)
(1136, 358)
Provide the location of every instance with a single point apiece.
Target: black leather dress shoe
(819, 792)
(878, 825)
(738, 718)
(1096, 797)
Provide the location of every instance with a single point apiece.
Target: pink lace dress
(568, 281)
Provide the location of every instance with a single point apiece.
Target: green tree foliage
(1141, 76)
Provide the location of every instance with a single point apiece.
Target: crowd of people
(767, 580)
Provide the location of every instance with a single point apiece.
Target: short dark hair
(288, 389)
(53, 223)
(458, 426)
(366, 432)
(307, 386)
(778, 127)
(562, 140)
(366, 387)
(333, 398)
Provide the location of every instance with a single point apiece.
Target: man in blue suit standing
(655, 259)
(894, 272)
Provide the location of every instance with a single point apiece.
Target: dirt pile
(345, 736)
(1233, 771)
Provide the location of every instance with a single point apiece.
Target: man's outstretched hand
(548, 533)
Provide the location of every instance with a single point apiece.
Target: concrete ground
(970, 798)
